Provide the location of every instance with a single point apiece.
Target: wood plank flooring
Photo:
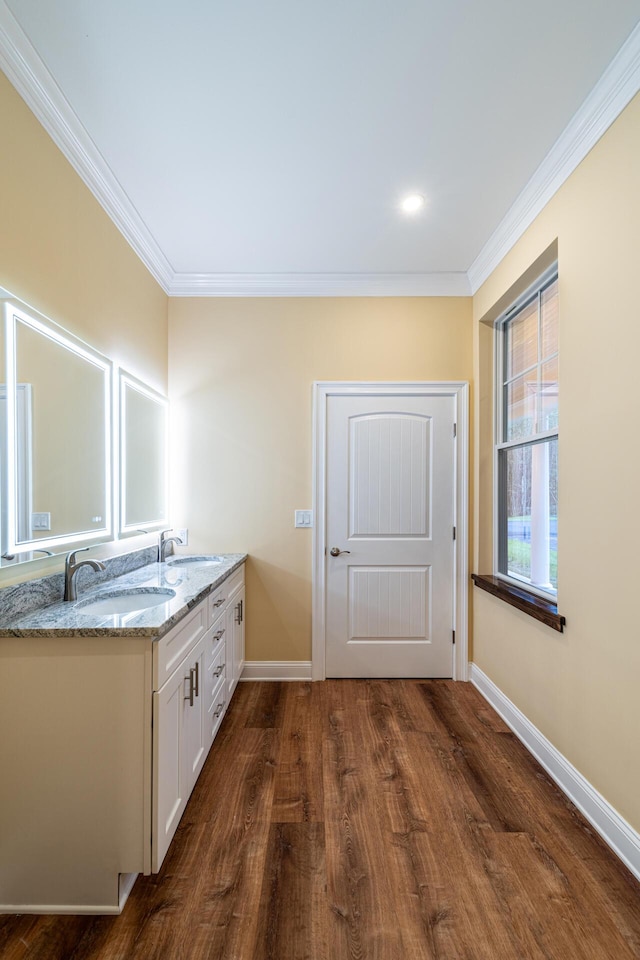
(364, 820)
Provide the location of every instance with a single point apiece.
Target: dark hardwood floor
(364, 820)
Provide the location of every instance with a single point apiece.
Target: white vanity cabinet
(103, 740)
(188, 707)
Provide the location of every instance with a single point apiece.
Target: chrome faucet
(164, 542)
(71, 568)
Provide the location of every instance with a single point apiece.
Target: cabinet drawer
(215, 672)
(219, 598)
(217, 602)
(175, 645)
(217, 708)
(216, 637)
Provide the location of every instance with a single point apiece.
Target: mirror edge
(126, 379)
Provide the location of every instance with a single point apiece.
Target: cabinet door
(179, 724)
(235, 638)
(170, 790)
(195, 741)
(238, 635)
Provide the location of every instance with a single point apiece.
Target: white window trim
(498, 414)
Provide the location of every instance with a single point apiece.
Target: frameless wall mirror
(57, 487)
(143, 456)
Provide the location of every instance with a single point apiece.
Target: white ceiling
(278, 138)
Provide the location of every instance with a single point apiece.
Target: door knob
(335, 551)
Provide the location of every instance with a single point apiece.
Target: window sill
(529, 603)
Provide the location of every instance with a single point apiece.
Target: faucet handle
(71, 556)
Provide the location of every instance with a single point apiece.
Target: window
(527, 433)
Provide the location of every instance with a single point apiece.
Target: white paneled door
(389, 533)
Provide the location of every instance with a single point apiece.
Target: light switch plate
(41, 521)
(183, 533)
(304, 518)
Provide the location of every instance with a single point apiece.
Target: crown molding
(617, 86)
(319, 285)
(35, 84)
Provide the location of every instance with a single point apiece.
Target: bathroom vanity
(106, 720)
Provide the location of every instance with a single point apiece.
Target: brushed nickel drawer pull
(219, 634)
(190, 695)
(219, 709)
(197, 669)
(218, 603)
(219, 670)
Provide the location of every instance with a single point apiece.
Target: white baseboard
(277, 670)
(614, 830)
(62, 910)
(125, 886)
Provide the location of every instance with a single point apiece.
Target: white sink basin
(124, 601)
(210, 561)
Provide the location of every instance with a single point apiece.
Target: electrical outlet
(183, 533)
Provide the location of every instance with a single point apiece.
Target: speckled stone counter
(190, 583)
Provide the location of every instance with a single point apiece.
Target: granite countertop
(191, 583)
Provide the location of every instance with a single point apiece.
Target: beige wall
(581, 688)
(240, 382)
(60, 252)
(62, 255)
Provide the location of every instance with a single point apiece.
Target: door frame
(459, 391)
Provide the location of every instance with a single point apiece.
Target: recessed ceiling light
(412, 203)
